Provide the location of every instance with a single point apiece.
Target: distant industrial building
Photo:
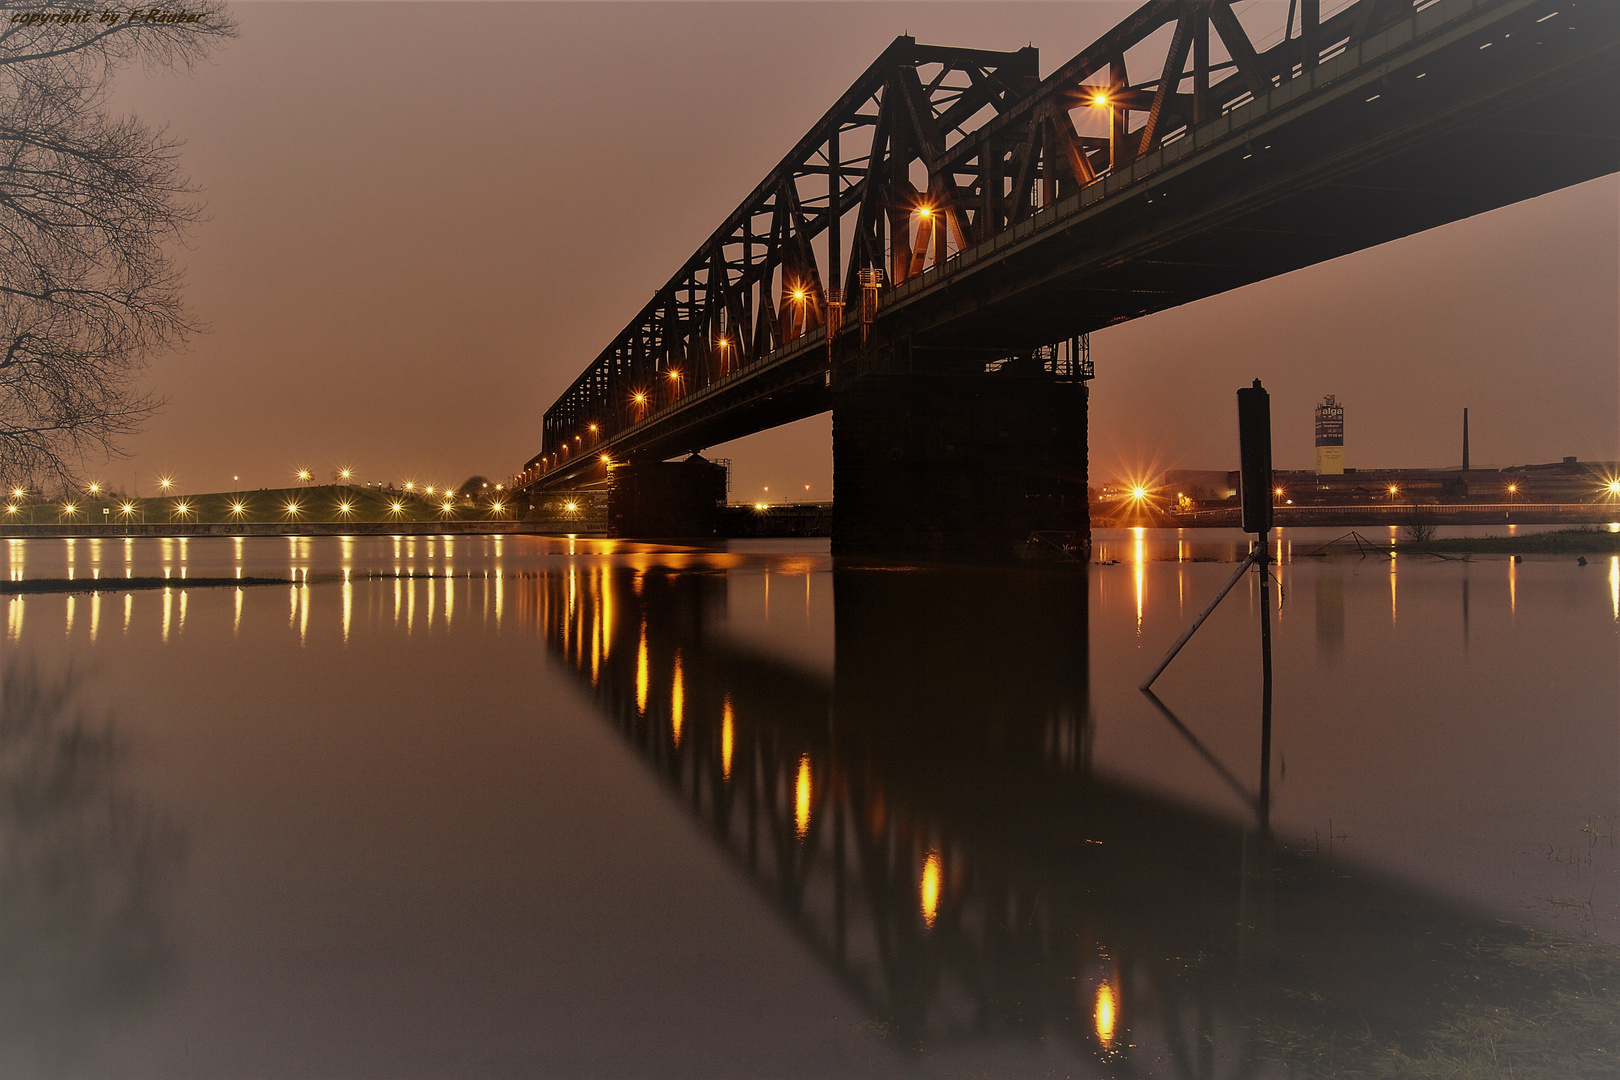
(1566, 481)
(1330, 437)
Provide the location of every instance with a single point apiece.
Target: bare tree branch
(93, 208)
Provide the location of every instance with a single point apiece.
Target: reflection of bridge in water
(929, 824)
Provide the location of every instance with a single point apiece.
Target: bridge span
(928, 259)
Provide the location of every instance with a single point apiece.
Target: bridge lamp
(593, 429)
(1100, 100)
(925, 212)
(641, 399)
(607, 460)
(674, 373)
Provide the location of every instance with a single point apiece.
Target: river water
(531, 807)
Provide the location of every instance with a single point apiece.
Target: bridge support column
(956, 466)
(666, 499)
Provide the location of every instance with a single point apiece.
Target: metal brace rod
(1257, 553)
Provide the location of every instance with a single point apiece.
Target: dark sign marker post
(1254, 448)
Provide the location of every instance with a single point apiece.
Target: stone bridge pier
(955, 466)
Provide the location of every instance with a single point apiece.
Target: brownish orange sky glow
(426, 218)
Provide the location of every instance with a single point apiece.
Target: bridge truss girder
(959, 149)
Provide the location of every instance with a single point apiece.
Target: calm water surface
(524, 807)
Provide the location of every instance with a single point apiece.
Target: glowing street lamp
(293, 509)
(346, 509)
(410, 485)
(305, 476)
(69, 509)
(238, 508)
(126, 510)
(166, 483)
(396, 508)
(345, 475)
(95, 488)
(181, 509)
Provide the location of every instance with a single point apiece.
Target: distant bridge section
(928, 258)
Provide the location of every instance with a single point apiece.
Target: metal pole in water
(1265, 684)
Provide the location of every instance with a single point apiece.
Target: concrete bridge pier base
(666, 499)
(956, 467)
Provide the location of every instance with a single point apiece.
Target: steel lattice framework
(936, 153)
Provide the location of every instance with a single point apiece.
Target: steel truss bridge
(997, 217)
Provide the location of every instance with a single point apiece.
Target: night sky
(426, 218)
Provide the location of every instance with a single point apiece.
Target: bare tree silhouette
(92, 209)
